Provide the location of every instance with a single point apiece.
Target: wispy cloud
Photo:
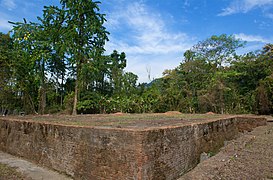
(147, 29)
(269, 15)
(251, 38)
(244, 6)
(254, 42)
(8, 4)
(146, 38)
(5, 26)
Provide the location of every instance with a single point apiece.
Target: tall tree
(83, 34)
(52, 23)
(219, 50)
(117, 64)
(29, 67)
(6, 56)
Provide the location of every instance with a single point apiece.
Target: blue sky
(155, 33)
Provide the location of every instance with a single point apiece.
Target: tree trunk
(78, 66)
(42, 98)
(30, 101)
(62, 89)
(42, 90)
(74, 112)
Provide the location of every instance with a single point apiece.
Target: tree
(6, 50)
(264, 92)
(6, 58)
(83, 34)
(117, 64)
(129, 81)
(52, 23)
(268, 50)
(29, 66)
(217, 49)
(263, 103)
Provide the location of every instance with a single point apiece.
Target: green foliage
(68, 103)
(218, 50)
(82, 35)
(6, 56)
(58, 65)
(117, 63)
(213, 78)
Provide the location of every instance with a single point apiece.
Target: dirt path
(248, 157)
(29, 169)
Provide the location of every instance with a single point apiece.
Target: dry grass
(123, 120)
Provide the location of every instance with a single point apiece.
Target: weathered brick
(117, 153)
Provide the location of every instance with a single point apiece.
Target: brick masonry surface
(120, 153)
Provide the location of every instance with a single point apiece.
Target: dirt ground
(10, 173)
(14, 168)
(248, 157)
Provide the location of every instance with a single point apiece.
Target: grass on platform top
(123, 120)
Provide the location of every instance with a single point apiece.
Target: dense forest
(59, 65)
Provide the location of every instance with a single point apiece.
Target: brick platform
(98, 152)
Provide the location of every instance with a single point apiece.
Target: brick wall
(109, 153)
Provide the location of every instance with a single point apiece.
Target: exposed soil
(11, 173)
(248, 157)
(172, 112)
(14, 168)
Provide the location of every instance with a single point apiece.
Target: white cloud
(146, 38)
(8, 4)
(4, 25)
(244, 6)
(251, 38)
(254, 42)
(269, 15)
(139, 64)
